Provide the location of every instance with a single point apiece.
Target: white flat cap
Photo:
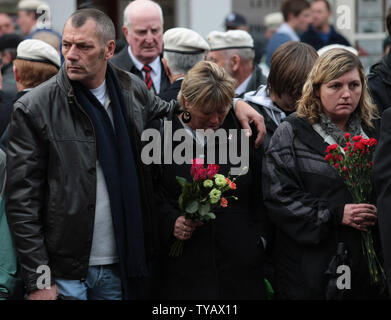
(183, 40)
(31, 4)
(337, 46)
(273, 20)
(38, 51)
(232, 39)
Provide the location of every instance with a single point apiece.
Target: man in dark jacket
(143, 30)
(320, 33)
(76, 204)
(74, 142)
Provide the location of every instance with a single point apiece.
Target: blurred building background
(362, 20)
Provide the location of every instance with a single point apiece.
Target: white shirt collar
(155, 66)
(243, 86)
(287, 29)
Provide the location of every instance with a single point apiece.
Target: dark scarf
(116, 158)
(353, 127)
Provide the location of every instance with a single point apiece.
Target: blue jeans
(102, 283)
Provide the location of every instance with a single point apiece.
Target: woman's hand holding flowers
(359, 216)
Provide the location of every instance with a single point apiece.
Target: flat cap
(232, 39)
(31, 4)
(10, 41)
(273, 20)
(183, 40)
(235, 20)
(38, 51)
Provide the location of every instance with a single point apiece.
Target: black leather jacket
(51, 175)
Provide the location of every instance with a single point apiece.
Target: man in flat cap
(183, 48)
(235, 21)
(143, 31)
(272, 22)
(234, 51)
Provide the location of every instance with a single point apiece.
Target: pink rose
(197, 164)
(212, 170)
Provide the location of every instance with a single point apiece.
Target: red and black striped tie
(148, 80)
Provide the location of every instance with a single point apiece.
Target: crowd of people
(78, 198)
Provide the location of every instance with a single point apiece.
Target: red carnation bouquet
(355, 164)
(200, 196)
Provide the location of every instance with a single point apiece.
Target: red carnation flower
(372, 142)
(328, 157)
(359, 145)
(332, 147)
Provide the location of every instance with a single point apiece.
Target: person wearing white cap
(183, 48)
(28, 14)
(337, 46)
(272, 22)
(234, 51)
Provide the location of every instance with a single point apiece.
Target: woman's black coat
(224, 257)
(305, 199)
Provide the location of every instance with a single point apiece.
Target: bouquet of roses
(354, 164)
(200, 196)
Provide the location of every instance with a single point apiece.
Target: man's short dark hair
(104, 25)
(294, 7)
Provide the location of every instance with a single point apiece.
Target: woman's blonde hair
(207, 87)
(329, 66)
